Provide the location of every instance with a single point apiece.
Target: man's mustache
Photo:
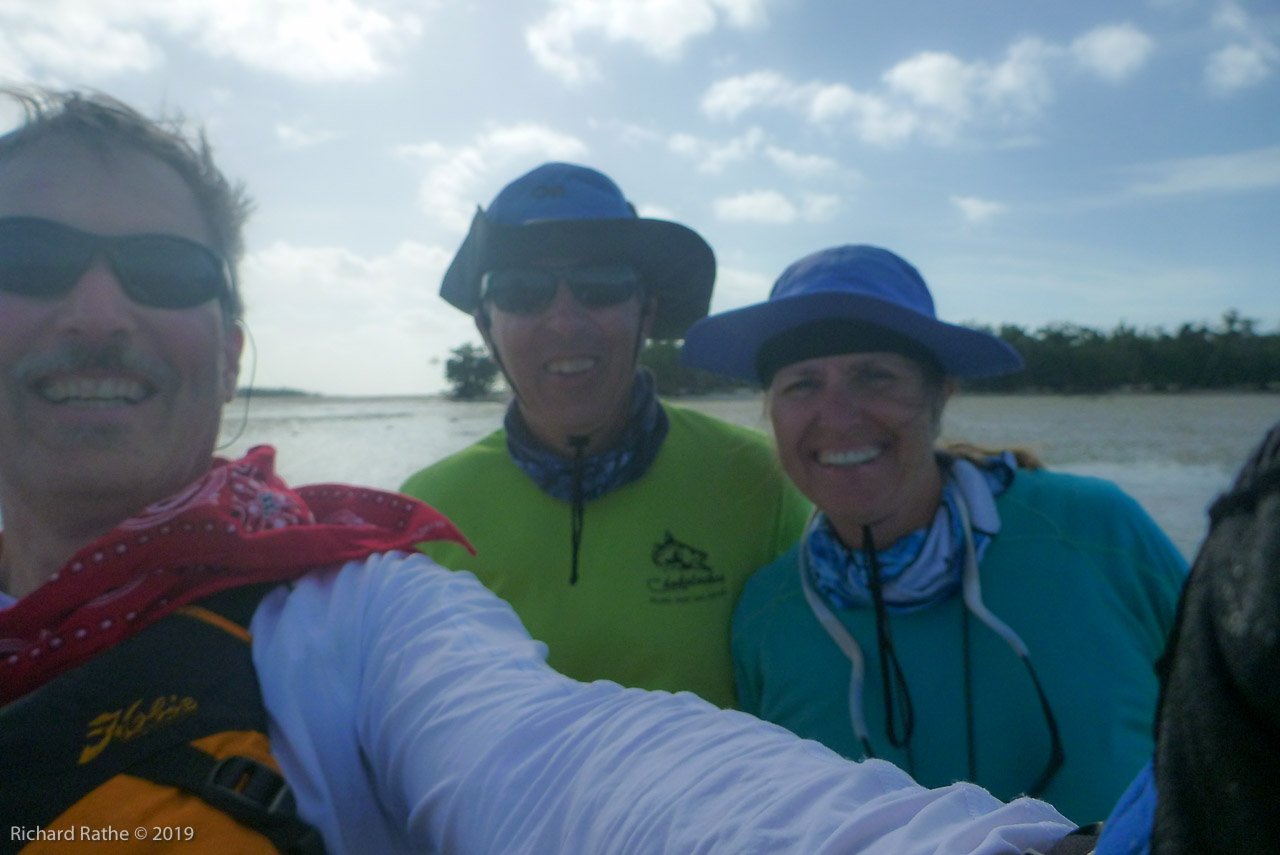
(78, 357)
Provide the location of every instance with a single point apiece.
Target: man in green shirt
(620, 527)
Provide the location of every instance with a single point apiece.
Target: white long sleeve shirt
(411, 712)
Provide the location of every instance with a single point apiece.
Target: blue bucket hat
(569, 212)
(867, 285)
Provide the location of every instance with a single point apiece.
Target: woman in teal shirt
(963, 614)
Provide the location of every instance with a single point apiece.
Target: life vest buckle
(251, 784)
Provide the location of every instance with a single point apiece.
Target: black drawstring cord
(888, 656)
(968, 695)
(579, 445)
(1056, 755)
(889, 659)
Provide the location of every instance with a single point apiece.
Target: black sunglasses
(43, 259)
(528, 291)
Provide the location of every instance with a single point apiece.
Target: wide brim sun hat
(857, 283)
(570, 213)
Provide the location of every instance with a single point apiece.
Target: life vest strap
(251, 792)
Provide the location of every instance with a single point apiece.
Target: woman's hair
(978, 454)
(102, 123)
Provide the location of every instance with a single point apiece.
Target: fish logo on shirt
(671, 554)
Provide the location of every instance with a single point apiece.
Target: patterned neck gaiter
(625, 462)
(923, 567)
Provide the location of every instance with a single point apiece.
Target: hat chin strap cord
(972, 595)
(577, 442)
(845, 641)
(578, 510)
(973, 600)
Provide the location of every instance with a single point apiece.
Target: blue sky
(1095, 162)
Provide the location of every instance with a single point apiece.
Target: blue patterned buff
(602, 473)
(923, 567)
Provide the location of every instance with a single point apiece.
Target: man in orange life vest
(192, 651)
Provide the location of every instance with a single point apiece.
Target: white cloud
(70, 39)
(756, 206)
(930, 94)
(686, 145)
(324, 317)
(294, 137)
(1020, 87)
(743, 13)
(655, 212)
(1229, 173)
(1236, 67)
(550, 41)
(10, 113)
(12, 65)
(935, 81)
(819, 207)
(770, 206)
(977, 210)
(1113, 52)
(874, 119)
(946, 92)
(1231, 17)
(714, 157)
(1247, 61)
(736, 288)
(801, 165)
(311, 40)
(455, 177)
(315, 40)
(730, 98)
(827, 102)
(629, 134)
(938, 90)
(659, 27)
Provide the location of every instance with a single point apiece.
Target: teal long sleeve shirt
(1078, 570)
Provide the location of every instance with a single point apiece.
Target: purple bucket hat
(564, 211)
(855, 283)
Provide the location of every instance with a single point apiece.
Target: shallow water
(1173, 453)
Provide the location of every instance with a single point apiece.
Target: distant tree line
(1060, 357)
(1069, 358)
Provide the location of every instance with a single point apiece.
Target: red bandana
(238, 525)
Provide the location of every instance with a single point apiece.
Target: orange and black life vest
(157, 744)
